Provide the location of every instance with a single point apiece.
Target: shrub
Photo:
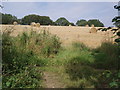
(107, 56)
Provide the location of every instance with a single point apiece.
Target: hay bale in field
(93, 30)
(15, 23)
(37, 24)
(92, 25)
(87, 25)
(33, 24)
(69, 24)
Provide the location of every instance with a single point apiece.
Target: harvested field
(67, 34)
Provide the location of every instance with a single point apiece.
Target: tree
(116, 22)
(26, 20)
(1, 7)
(72, 24)
(62, 22)
(96, 23)
(81, 22)
(8, 18)
(43, 20)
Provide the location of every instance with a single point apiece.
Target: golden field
(67, 34)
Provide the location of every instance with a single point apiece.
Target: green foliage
(29, 78)
(107, 56)
(117, 40)
(116, 21)
(72, 24)
(8, 18)
(95, 22)
(82, 22)
(78, 66)
(43, 20)
(118, 33)
(91, 66)
(109, 79)
(62, 22)
(23, 54)
(15, 59)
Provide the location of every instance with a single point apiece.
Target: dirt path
(52, 80)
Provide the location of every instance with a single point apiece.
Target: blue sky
(73, 11)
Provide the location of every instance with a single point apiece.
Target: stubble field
(67, 34)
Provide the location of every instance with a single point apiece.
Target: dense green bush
(29, 78)
(107, 56)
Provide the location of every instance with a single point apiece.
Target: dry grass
(68, 34)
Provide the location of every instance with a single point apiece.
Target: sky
(72, 11)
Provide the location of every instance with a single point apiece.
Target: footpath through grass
(80, 67)
(37, 60)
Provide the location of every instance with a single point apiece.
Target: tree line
(45, 20)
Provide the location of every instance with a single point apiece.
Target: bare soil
(51, 80)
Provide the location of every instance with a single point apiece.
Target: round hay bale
(37, 24)
(92, 25)
(87, 25)
(93, 30)
(33, 24)
(15, 23)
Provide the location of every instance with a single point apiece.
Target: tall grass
(23, 55)
(96, 68)
(107, 56)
